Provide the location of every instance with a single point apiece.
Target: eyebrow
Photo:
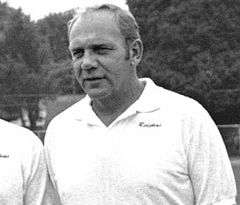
(101, 45)
(94, 45)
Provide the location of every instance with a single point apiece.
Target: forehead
(95, 26)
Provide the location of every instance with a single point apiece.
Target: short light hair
(125, 20)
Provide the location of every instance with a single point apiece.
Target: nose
(88, 61)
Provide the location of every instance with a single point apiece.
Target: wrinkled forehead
(96, 21)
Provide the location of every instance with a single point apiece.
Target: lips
(93, 78)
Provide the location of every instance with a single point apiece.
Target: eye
(102, 50)
(77, 53)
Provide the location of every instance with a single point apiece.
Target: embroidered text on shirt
(4, 156)
(143, 124)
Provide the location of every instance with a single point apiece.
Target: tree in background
(193, 47)
(23, 67)
(22, 83)
(53, 33)
(34, 64)
(54, 39)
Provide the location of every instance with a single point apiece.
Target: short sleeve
(53, 196)
(48, 150)
(34, 171)
(208, 163)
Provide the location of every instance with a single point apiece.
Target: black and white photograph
(120, 102)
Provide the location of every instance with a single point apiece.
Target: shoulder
(168, 100)
(62, 123)
(10, 131)
(177, 103)
(18, 140)
(71, 112)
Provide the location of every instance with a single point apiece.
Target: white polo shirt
(23, 172)
(164, 149)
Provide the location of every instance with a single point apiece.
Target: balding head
(123, 18)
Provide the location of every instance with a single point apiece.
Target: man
(129, 141)
(23, 172)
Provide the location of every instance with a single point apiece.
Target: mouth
(93, 78)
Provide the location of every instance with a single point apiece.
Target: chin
(97, 94)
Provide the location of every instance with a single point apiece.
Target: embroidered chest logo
(149, 125)
(4, 156)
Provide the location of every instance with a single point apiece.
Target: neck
(114, 105)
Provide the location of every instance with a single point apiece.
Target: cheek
(77, 69)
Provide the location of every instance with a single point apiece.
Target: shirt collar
(146, 103)
(148, 100)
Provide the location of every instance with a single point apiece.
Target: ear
(136, 51)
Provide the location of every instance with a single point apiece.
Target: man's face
(99, 55)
